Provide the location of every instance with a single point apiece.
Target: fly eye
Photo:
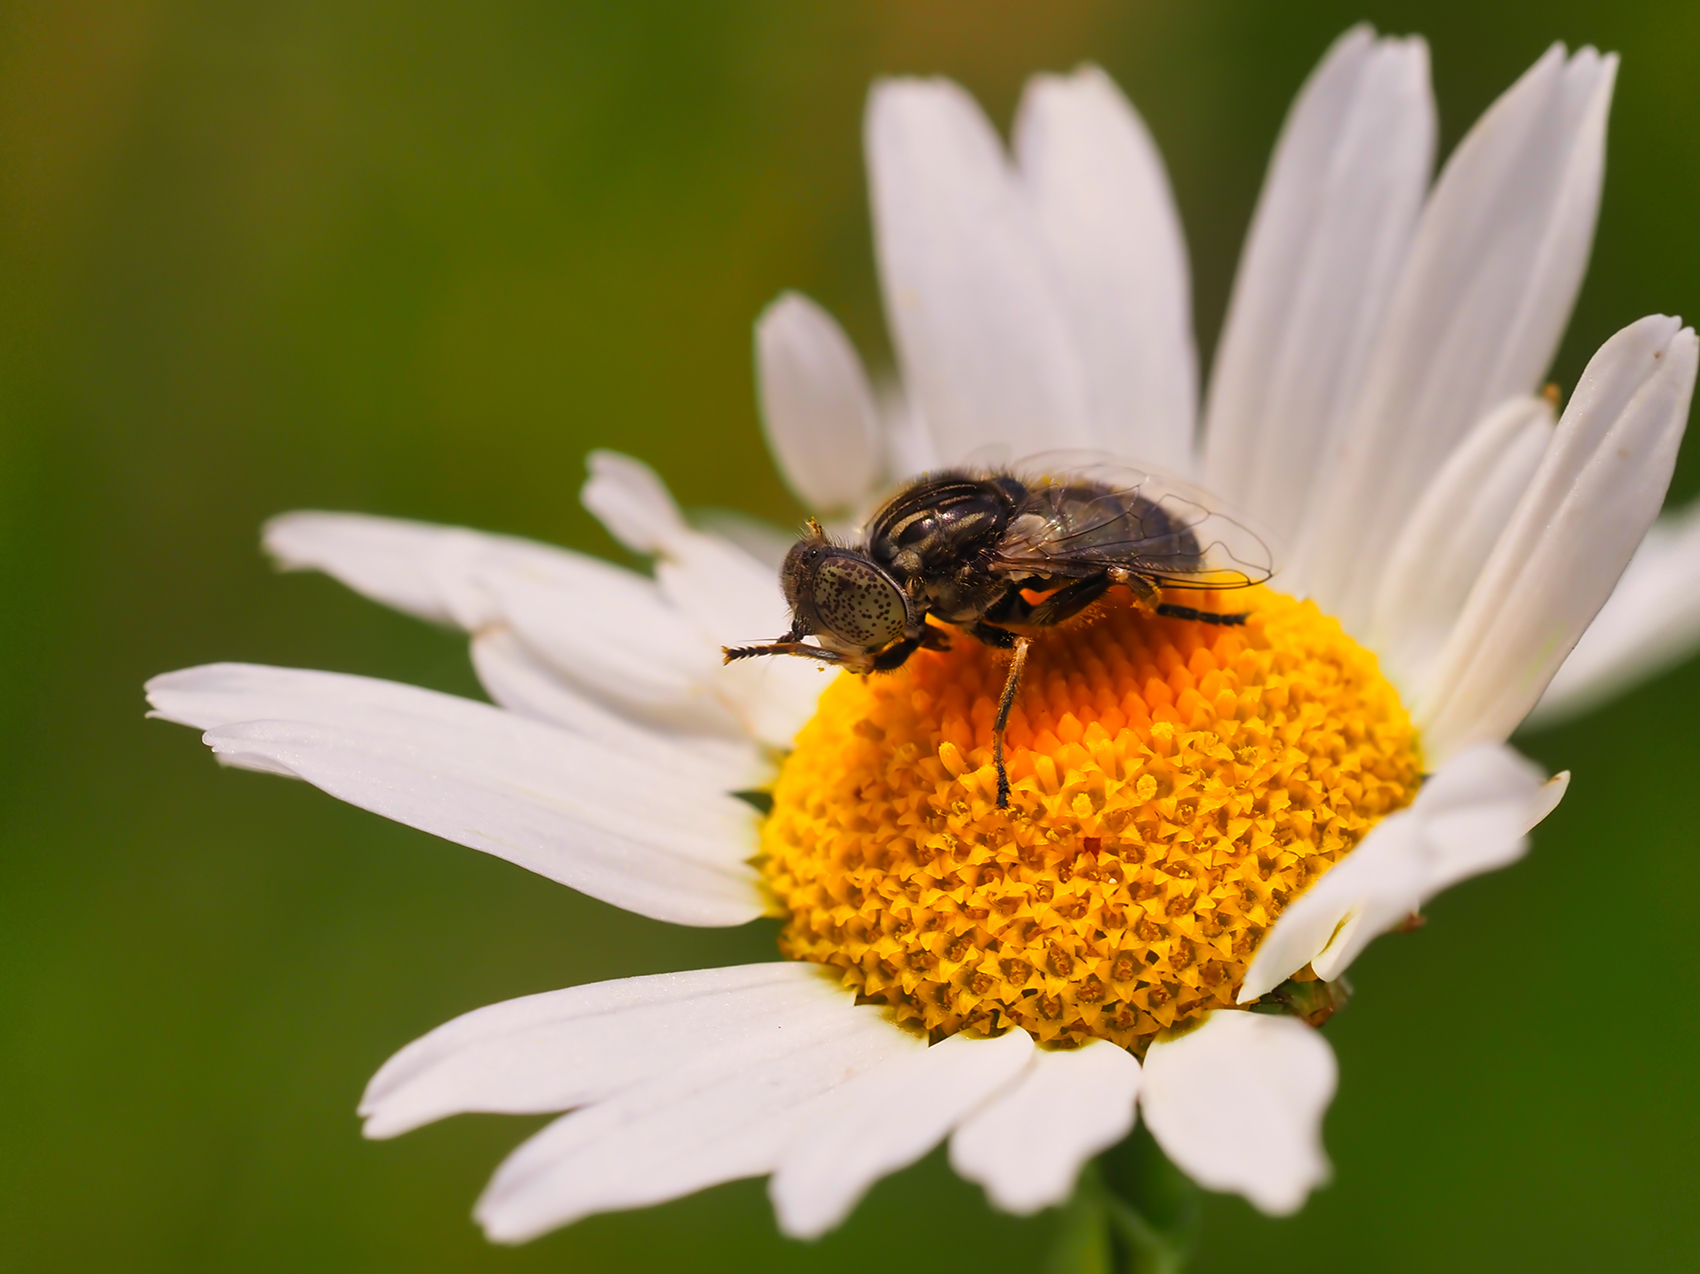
(855, 604)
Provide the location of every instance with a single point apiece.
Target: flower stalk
(1133, 1212)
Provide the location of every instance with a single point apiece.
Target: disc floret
(1174, 786)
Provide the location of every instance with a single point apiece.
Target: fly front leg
(929, 638)
(933, 637)
(895, 656)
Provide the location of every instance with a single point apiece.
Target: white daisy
(1181, 792)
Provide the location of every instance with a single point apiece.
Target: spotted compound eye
(858, 603)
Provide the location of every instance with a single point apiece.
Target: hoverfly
(1000, 556)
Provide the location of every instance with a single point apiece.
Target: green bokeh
(417, 258)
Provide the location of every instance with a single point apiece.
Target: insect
(1001, 557)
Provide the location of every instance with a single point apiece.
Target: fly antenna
(730, 654)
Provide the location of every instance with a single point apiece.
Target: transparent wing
(1086, 512)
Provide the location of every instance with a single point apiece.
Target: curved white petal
(551, 1052)
(722, 591)
(886, 1120)
(622, 828)
(817, 406)
(1332, 226)
(521, 682)
(1108, 221)
(726, 595)
(1650, 623)
(1485, 292)
(1028, 1144)
(614, 635)
(1449, 536)
(1472, 816)
(631, 501)
(1590, 503)
(415, 567)
(909, 448)
(608, 632)
(386, 559)
(1548, 798)
(1238, 1103)
(761, 539)
(715, 1114)
(986, 348)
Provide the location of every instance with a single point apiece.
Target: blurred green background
(417, 258)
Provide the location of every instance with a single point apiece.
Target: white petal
(552, 1052)
(1238, 1103)
(628, 498)
(412, 566)
(1448, 537)
(1108, 220)
(615, 635)
(734, 600)
(762, 540)
(712, 1116)
(1548, 798)
(620, 828)
(522, 682)
(727, 596)
(1651, 622)
(1485, 292)
(383, 558)
(1331, 230)
(817, 405)
(1590, 503)
(909, 447)
(1470, 817)
(724, 591)
(1028, 1144)
(986, 348)
(607, 631)
(887, 1120)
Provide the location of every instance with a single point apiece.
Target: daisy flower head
(1205, 822)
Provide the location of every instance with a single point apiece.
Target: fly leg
(1054, 608)
(933, 638)
(1003, 639)
(1150, 597)
(1011, 684)
(929, 638)
(1169, 610)
(1063, 604)
(1068, 601)
(1144, 591)
(896, 656)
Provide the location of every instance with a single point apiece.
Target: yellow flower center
(1174, 786)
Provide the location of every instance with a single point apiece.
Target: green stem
(1133, 1212)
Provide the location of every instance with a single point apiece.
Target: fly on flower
(1003, 557)
(1201, 817)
